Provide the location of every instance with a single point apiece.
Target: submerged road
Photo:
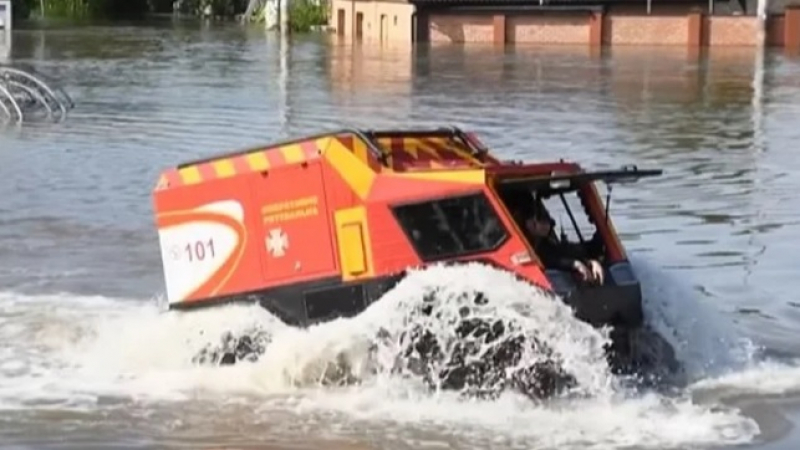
(88, 359)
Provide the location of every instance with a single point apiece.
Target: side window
(452, 227)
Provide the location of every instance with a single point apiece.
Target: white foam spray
(704, 341)
(69, 352)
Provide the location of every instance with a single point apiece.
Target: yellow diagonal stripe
(293, 154)
(190, 175)
(224, 168)
(257, 161)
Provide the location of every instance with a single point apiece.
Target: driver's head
(539, 226)
(539, 223)
(532, 214)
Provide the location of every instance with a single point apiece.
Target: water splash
(705, 343)
(461, 337)
(525, 310)
(87, 349)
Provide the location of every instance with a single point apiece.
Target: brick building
(600, 22)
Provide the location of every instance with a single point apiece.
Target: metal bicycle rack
(26, 96)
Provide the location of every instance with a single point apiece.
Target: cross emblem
(277, 242)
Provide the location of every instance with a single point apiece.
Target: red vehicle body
(319, 227)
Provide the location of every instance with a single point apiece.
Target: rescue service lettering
(290, 209)
(200, 250)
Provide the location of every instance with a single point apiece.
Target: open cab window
(571, 222)
(569, 199)
(452, 227)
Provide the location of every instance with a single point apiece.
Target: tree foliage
(219, 8)
(115, 9)
(125, 9)
(304, 15)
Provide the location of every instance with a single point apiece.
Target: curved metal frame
(34, 93)
(23, 93)
(14, 105)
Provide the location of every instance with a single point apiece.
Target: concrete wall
(378, 20)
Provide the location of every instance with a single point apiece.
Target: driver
(538, 226)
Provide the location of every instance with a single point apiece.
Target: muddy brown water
(89, 361)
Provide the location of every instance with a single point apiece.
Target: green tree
(306, 14)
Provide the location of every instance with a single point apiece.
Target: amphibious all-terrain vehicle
(321, 226)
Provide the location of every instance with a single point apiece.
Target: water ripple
(75, 196)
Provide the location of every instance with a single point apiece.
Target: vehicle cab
(567, 197)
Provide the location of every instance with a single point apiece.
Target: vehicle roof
(363, 157)
(443, 153)
(382, 150)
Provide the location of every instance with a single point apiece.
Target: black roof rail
(365, 136)
(476, 151)
(368, 136)
(452, 132)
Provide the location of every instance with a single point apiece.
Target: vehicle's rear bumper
(618, 302)
(608, 305)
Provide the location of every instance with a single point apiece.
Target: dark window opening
(565, 209)
(452, 227)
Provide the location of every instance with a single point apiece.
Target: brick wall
(461, 28)
(617, 29)
(645, 30)
(548, 29)
(391, 20)
(731, 31)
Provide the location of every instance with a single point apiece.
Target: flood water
(89, 359)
